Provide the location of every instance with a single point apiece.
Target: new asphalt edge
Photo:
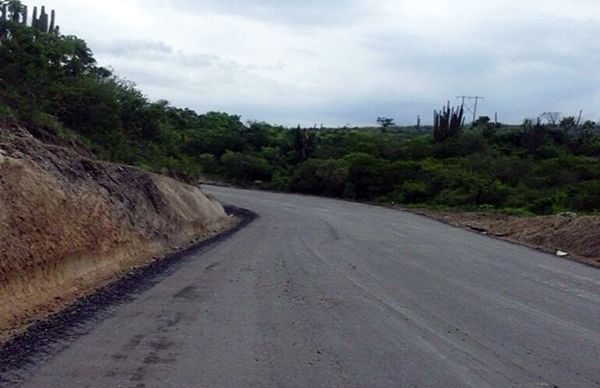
(49, 336)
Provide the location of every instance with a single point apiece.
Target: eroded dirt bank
(577, 236)
(69, 224)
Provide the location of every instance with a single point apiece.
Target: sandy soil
(69, 224)
(577, 236)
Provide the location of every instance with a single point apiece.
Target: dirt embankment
(69, 224)
(577, 236)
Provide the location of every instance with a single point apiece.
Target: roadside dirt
(70, 224)
(577, 236)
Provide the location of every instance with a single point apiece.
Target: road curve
(325, 293)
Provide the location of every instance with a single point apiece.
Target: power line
(475, 105)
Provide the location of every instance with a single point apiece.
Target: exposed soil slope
(577, 236)
(69, 224)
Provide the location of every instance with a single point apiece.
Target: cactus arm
(44, 20)
(52, 20)
(34, 18)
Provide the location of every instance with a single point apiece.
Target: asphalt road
(324, 293)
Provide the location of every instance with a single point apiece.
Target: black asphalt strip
(49, 336)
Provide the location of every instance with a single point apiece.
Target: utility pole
(475, 106)
(579, 118)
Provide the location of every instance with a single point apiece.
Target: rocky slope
(69, 224)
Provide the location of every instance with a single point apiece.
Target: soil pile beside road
(69, 224)
(579, 236)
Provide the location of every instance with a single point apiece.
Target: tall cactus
(448, 123)
(44, 20)
(18, 14)
(534, 135)
(3, 20)
(45, 23)
(34, 18)
(52, 20)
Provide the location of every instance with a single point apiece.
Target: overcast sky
(349, 61)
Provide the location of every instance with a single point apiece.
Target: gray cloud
(349, 61)
(148, 48)
(304, 12)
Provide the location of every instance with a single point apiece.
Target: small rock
(568, 215)
(561, 254)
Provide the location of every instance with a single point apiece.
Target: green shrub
(412, 192)
(281, 181)
(466, 144)
(519, 212)
(320, 177)
(7, 114)
(398, 172)
(366, 177)
(245, 168)
(542, 206)
(585, 196)
(208, 163)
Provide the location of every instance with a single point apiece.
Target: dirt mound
(69, 224)
(577, 236)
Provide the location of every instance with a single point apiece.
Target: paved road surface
(323, 293)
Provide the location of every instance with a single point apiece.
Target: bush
(320, 177)
(7, 114)
(246, 168)
(208, 163)
(366, 177)
(585, 196)
(519, 212)
(48, 123)
(412, 192)
(464, 145)
(542, 206)
(398, 172)
(281, 181)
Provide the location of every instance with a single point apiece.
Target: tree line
(52, 84)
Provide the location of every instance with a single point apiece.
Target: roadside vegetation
(52, 84)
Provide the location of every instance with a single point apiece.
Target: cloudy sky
(349, 61)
